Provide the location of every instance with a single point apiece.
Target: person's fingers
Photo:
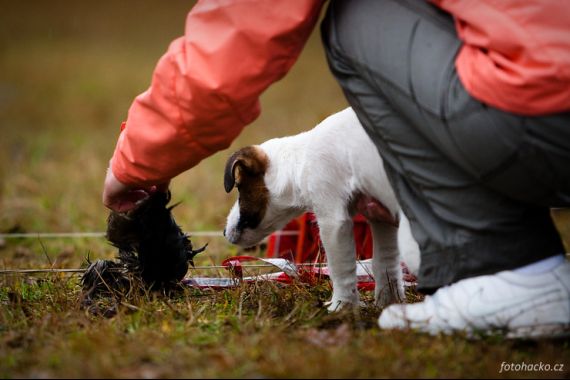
(129, 200)
(117, 196)
(121, 198)
(126, 201)
(163, 187)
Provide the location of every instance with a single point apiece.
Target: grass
(69, 72)
(258, 330)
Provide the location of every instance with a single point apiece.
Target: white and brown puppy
(333, 170)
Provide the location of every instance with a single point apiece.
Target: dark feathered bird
(151, 246)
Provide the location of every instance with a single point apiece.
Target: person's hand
(122, 198)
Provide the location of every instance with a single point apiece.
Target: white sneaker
(517, 305)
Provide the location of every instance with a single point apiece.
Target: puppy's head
(257, 212)
(245, 170)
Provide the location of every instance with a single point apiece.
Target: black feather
(151, 247)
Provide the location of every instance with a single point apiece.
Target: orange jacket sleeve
(516, 54)
(206, 87)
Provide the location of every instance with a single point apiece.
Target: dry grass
(258, 330)
(70, 70)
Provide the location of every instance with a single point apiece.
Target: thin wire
(80, 270)
(49, 235)
(27, 271)
(20, 235)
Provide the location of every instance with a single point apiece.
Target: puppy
(333, 170)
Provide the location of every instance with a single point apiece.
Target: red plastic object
(300, 241)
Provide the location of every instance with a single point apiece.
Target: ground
(69, 72)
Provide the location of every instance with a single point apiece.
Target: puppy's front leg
(338, 241)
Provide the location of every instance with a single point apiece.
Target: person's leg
(475, 182)
(458, 167)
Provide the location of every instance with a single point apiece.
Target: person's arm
(206, 87)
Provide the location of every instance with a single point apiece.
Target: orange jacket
(516, 53)
(206, 87)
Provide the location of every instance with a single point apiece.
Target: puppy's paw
(386, 298)
(390, 294)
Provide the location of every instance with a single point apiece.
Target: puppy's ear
(229, 172)
(248, 161)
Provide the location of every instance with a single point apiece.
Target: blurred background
(69, 71)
